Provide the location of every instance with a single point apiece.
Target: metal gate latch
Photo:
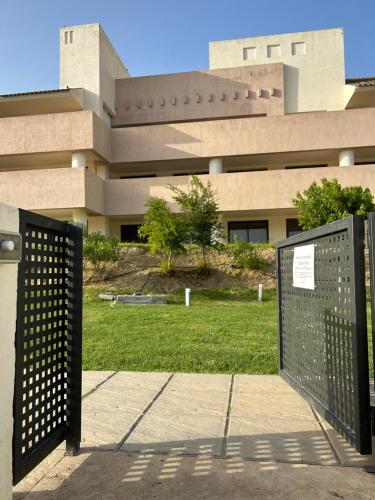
(10, 247)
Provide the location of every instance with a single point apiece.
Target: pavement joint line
(331, 443)
(99, 385)
(144, 412)
(224, 448)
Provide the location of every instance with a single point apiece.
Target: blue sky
(167, 36)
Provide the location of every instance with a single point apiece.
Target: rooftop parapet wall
(200, 95)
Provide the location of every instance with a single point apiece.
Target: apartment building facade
(271, 115)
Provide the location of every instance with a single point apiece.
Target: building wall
(200, 95)
(88, 61)
(314, 65)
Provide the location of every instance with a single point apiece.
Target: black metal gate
(47, 397)
(323, 350)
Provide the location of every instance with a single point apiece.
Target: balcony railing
(240, 191)
(67, 188)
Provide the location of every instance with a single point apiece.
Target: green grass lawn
(223, 331)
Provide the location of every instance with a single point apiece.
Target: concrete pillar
(99, 224)
(80, 216)
(78, 159)
(102, 171)
(9, 221)
(215, 166)
(346, 158)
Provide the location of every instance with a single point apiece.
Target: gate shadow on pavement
(99, 473)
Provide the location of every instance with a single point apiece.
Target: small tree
(164, 230)
(202, 212)
(327, 202)
(99, 250)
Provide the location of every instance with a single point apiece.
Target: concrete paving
(163, 435)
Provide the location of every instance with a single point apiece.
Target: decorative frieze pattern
(259, 93)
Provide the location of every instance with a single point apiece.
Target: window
(249, 53)
(68, 37)
(273, 51)
(298, 48)
(253, 231)
(129, 233)
(292, 227)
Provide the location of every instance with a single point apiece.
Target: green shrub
(201, 209)
(164, 230)
(328, 201)
(248, 255)
(99, 250)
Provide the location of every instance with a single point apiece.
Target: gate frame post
(371, 256)
(9, 221)
(74, 389)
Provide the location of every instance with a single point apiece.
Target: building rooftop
(368, 81)
(37, 92)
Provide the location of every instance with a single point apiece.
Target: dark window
(307, 166)
(252, 231)
(129, 233)
(247, 170)
(179, 174)
(137, 176)
(292, 227)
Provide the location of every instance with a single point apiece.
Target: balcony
(51, 189)
(245, 191)
(68, 188)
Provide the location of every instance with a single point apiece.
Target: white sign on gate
(303, 267)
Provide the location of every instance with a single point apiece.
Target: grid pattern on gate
(48, 338)
(323, 338)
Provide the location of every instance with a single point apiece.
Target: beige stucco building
(271, 115)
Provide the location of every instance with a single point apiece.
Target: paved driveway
(149, 435)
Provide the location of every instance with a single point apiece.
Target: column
(346, 158)
(102, 171)
(215, 166)
(78, 159)
(99, 224)
(80, 217)
(9, 221)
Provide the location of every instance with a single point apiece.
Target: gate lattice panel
(47, 399)
(323, 332)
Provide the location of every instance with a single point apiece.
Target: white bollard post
(260, 292)
(187, 297)
(9, 222)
